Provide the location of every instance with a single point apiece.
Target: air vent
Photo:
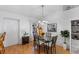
(68, 7)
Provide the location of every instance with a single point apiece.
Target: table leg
(48, 48)
(51, 49)
(39, 49)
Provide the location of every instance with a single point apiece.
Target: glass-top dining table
(47, 42)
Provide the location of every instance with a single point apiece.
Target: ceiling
(31, 10)
(34, 11)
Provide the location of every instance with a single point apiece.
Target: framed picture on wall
(52, 27)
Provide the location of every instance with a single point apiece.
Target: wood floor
(28, 49)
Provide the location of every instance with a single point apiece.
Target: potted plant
(65, 35)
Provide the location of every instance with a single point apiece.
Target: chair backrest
(36, 38)
(54, 39)
(48, 35)
(2, 39)
(2, 36)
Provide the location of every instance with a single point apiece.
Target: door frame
(18, 22)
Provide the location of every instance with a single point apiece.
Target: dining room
(34, 29)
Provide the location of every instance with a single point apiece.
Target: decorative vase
(65, 43)
(64, 46)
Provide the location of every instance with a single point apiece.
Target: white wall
(72, 14)
(63, 23)
(61, 19)
(57, 18)
(24, 22)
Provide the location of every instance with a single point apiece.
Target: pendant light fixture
(42, 18)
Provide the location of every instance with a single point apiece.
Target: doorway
(11, 27)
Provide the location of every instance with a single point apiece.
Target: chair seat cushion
(48, 44)
(40, 42)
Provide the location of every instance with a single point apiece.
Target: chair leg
(47, 48)
(34, 44)
(3, 50)
(55, 49)
(44, 48)
(38, 49)
(51, 50)
(0, 51)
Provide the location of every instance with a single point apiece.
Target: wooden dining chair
(53, 45)
(2, 38)
(47, 37)
(38, 43)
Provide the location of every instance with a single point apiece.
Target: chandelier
(42, 18)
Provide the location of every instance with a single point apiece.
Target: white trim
(18, 21)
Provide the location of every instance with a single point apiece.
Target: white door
(11, 28)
